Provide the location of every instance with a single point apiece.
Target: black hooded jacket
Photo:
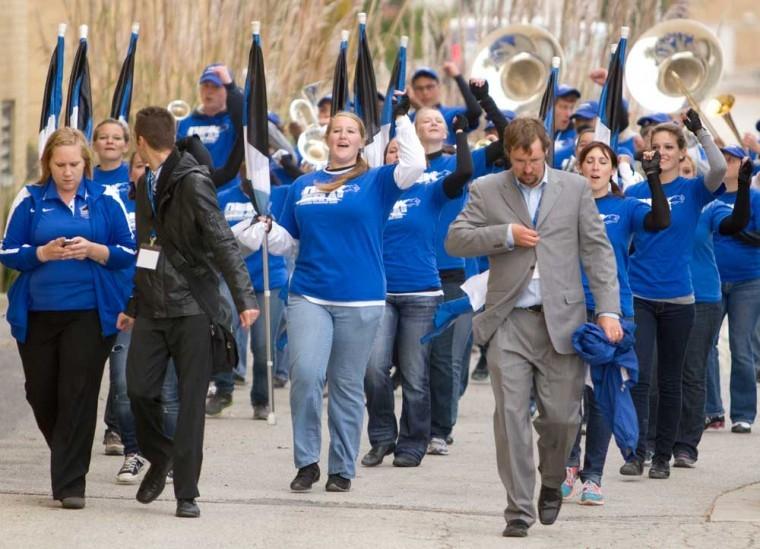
(189, 212)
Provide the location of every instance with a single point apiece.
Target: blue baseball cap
(509, 115)
(735, 151)
(563, 90)
(653, 118)
(425, 71)
(587, 110)
(210, 76)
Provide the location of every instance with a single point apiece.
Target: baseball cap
(735, 151)
(653, 118)
(563, 90)
(586, 110)
(208, 75)
(509, 115)
(425, 71)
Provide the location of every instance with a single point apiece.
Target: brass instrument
(516, 61)
(179, 109)
(675, 61)
(311, 143)
(721, 106)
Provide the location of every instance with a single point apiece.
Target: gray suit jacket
(571, 232)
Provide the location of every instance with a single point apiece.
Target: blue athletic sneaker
(568, 487)
(591, 494)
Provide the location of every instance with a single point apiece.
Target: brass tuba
(179, 109)
(675, 61)
(516, 61)
(311, 143)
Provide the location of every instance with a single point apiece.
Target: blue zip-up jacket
(613, 395)
(108, 222)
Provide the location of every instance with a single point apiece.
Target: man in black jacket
(176, 209)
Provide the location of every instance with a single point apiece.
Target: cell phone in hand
(67, 242)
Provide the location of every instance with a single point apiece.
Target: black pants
(188, 341)
(63, 359)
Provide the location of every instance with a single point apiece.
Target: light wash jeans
(332, 343)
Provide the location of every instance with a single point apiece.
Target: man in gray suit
(536, 225)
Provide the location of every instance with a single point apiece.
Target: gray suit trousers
(521, 356)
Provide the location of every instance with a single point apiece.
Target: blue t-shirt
(340, 255)
(71, 278)
(622, 218)
(704, 271)
(217, 133)
(439, 168)
(118, 177)
(659, 266)
(564, 146)
(236, 207)
(448, 114)
(409, 238)
(737, 261)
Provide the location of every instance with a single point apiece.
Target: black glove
(692, 121)
(479, 91)
(461, 123)
(652, 166)
(745, 173)
(401, 106)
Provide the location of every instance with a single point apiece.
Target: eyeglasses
(522, 162)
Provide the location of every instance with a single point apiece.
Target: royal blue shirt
(704, 270)
(340, 233)
(118, 177)
(564, 146)
(622, 217)
(659, 266)
(737, 261)
(236, 207)
(217, 133)
(439, 168)
(409, 238)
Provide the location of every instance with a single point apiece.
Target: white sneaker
(132, 469)
(438, 447)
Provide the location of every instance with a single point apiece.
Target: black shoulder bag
(223, 346)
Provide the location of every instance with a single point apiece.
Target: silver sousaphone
(516, 61)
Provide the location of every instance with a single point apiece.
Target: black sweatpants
(63, 359)
(188, 341)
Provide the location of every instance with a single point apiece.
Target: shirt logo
(315, 195)
(45, 210)
(432, 177)
(238, 211)
(208, 134)
(674, 200)
(609, 218)
(401, 208)
(84, 212)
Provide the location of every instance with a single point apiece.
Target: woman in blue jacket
(68, 238)
(623, 219)
(662, 287)
(336, 216)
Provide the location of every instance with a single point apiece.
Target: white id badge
(147, 257)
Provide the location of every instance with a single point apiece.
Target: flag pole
(271, 417)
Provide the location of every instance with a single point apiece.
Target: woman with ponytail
(336, 218)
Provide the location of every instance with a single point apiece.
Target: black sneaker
(279, 382)
(479, 374)
(715, 423)
(633, 468)
(218, 402)
(237, 379)
(336, 483)
(684, 461)
(305, 477)
(660, 469)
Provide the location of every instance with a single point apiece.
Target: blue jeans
(126, 420)
(663, 328)
(406, 320)
(224, 381)
(706, 328)
(741, 303)
(259, 387)
(332, 343)
(713, 400)
(446, 363)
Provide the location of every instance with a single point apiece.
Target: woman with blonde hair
(68, 238)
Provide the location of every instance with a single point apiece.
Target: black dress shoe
(337, 483)
(377, 453)
(153, 483)
(187, 508)
(405, 460)
(516, 528)
(305, 477)
(549, 503)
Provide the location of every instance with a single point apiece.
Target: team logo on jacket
(609, 218)
(315, 195)
(84, 212)
(432, 177)
(208, 134)
(401, 208)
